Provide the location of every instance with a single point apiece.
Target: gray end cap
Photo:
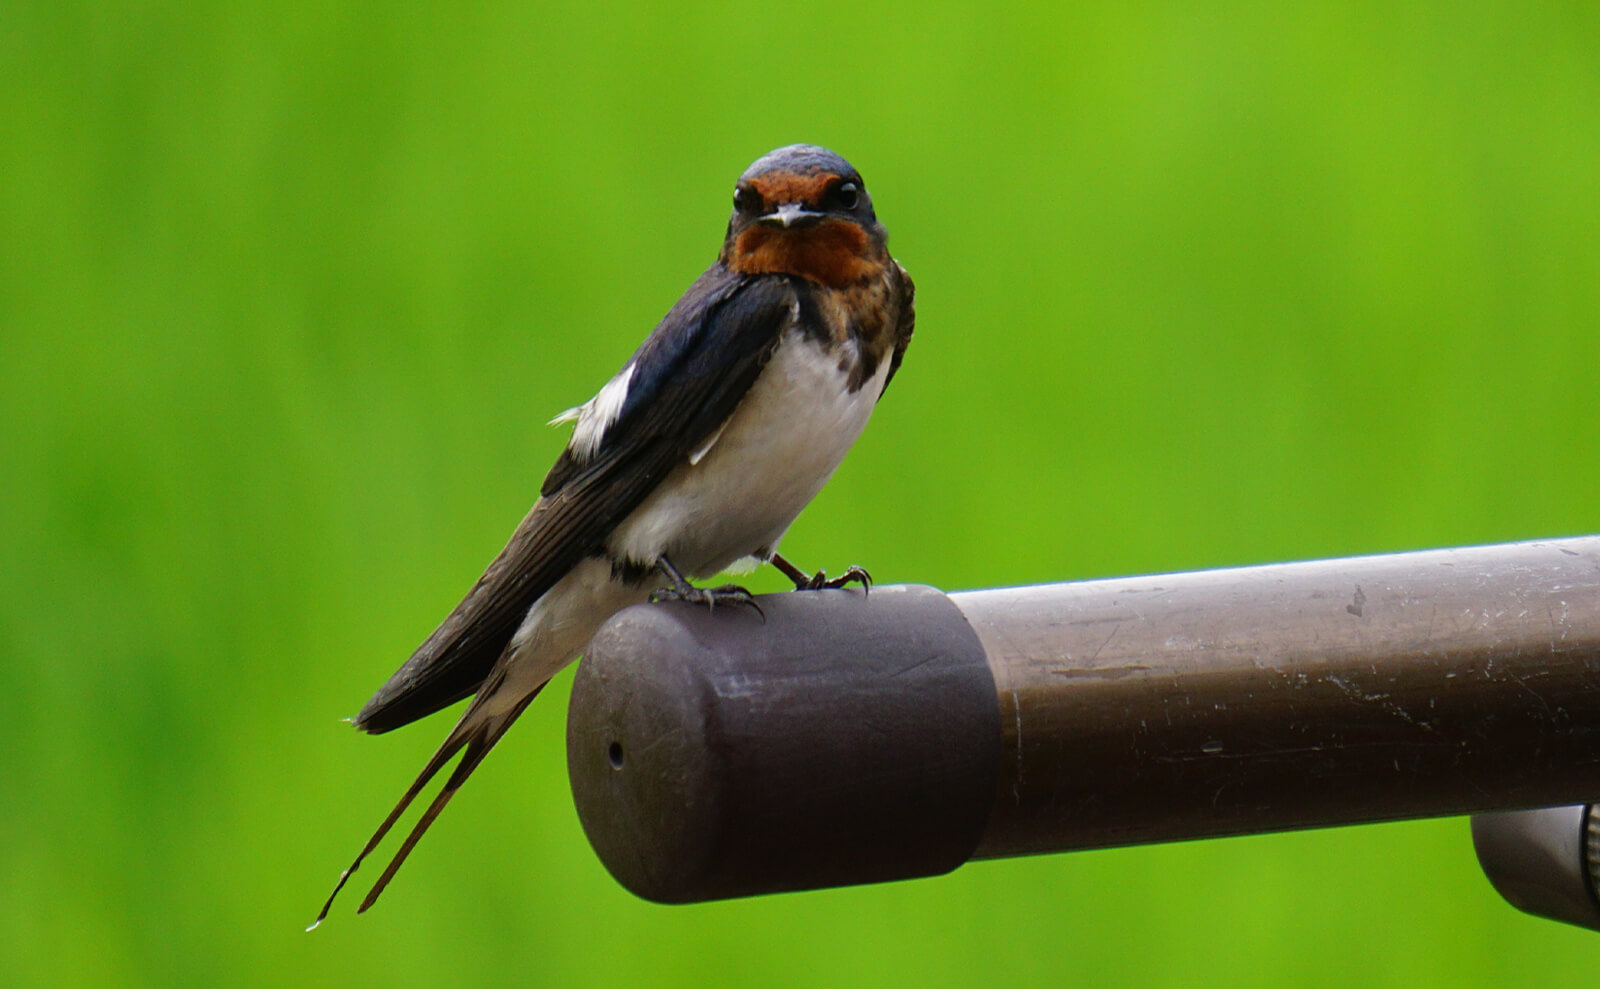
(1538, 861)
(847, 739)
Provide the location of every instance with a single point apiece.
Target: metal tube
(856, 739)
(1296, 695)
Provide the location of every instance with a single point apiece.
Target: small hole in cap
(614, 753)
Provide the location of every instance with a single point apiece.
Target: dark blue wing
(690, 374)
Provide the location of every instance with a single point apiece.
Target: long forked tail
(475, 732)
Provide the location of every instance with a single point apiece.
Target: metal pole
(853, 738)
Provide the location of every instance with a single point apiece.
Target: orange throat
(834, 253)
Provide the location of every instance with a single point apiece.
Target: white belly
(776, 452)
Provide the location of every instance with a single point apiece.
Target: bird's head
(803, 210)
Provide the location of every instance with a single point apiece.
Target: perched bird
(694, 459)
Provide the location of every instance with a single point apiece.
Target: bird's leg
(820, 579)
(682, 590)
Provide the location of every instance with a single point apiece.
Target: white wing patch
(596, 415)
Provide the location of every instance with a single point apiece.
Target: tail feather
(474, 732)
(477, 747)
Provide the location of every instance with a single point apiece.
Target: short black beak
(791, 215)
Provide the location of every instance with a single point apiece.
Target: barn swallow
(693, 460)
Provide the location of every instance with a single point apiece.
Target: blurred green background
(289, 290)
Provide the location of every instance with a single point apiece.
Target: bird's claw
(709, 596)
(854, 575)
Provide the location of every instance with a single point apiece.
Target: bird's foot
(682, 590)
(819, 580)
(708, 596)
(854, 575)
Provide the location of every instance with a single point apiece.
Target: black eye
(847, 196)
(746, 200)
